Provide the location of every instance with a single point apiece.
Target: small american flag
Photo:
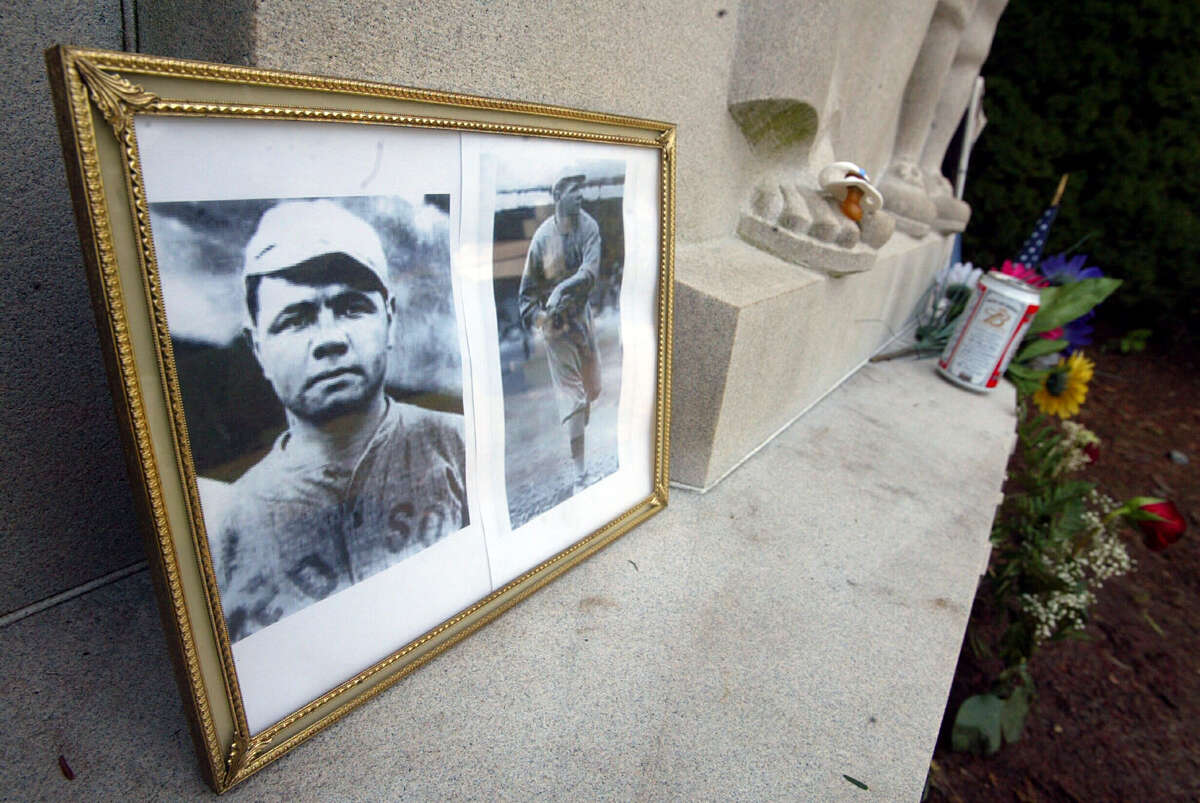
(1031, 252)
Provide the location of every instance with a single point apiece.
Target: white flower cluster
(1073, 457)
(1056, 611)
(1078, 434)
(1101, 501)
(1106, 556)
(1102, 555)
(959, 273)
(963, 273)
(1070, 572)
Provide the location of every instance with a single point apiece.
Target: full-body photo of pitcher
(561, 269)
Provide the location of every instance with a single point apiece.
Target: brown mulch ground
(1116, 717)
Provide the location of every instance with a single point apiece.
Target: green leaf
(1024, 372)
(1063, 304)
(1073, 635)
(855, 781)
(1141, 515)
(1040, 579)
(977, 725)
(1012, 718)
(1140, 501)
(1132, 509)
(1134, 341)
(978, 646)
(1016, 643)
(1037, 348)
(1025, 378)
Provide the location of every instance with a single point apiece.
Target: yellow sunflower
(1065, 387)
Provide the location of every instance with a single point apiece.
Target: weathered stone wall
(764, 93)
(66, 514)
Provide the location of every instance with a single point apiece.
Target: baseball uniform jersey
(297, 532)
(560, 254)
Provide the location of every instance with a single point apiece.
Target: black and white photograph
(393, 349)
(318, 361)
(314, 314)
(386, 361)
(558, 256)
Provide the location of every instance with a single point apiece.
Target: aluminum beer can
(990, 332)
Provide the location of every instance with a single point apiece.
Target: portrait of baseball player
(558, 316)
(349, 454)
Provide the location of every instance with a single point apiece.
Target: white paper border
(285, 666)
(513, 552)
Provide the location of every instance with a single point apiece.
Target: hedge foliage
(1109, 92)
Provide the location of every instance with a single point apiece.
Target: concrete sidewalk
(798, 623)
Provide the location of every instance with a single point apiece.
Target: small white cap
(839, 176)
(293, 232)
(566, 180)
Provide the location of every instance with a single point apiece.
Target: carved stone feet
(952, 213)
(792, 217)
(903, 188)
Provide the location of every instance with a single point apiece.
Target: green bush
(1110, 93)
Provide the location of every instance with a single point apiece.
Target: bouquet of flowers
(1056, 540)
(1070, 291)
(941, 306)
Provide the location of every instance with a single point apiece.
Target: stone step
(759, 340)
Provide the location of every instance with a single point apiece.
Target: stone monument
(781, 293)
(822, 93)
(807, 94)
(954, 47)
(953, 213)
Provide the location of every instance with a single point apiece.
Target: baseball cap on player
(561, 185)
(293, 232)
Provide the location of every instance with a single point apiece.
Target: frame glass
(373, 349)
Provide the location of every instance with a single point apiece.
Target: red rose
(1162, 532)
(1092, 450)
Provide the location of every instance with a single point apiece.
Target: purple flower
(1079, 332)
(1060, 269)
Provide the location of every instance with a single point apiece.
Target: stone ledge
(799, 622)
(759, 340)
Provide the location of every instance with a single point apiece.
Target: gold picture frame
(180, 173)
